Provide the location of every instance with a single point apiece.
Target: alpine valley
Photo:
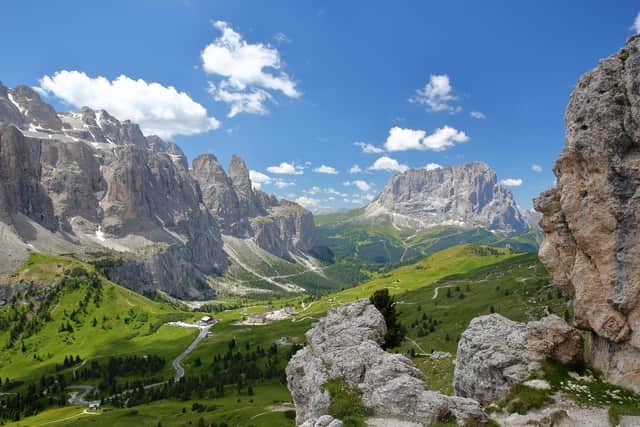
(138, 288)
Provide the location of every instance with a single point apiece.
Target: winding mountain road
(204, 330)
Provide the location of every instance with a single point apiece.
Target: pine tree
(385, 303)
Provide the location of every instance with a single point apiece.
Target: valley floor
(437, 297)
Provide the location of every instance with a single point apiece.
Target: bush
(346, 402)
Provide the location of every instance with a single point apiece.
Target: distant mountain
(420, 212)
(467, 195)
(87, 183)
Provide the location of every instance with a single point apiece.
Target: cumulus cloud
(437, 94)
(329, 170)
(250, 73)
(368, 148)
(307, 202)
(285, 168)
(512, 182)
(536, 168)
(158, 109)
(359, 184)
(355, 169)
(258, 179)
(636, 25)
(401, 139)
(432, 166)
(317, 190)
(250, 101)
(478, 115)
(386, 163)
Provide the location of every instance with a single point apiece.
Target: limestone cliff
(467, 195)
(591, 218)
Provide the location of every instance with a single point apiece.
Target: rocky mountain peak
(466, 195)
(591, 218)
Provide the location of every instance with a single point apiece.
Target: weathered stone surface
(346, 344)
(279, 227)
(591, 219)
(219, 195)
(466, 195)
(495, 353)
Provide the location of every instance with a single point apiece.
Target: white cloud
(307, 202)
(359, 184)
(317, 190)
(636, 25)
(444, 138)
(512, 182)
(478, 115)
(329, 170)
(241, 102)
(432, 166)
(401, 139)
(368, 148)
(437, 94)
(536, 168)
(250, 72)
(280, 183)
(258, 179)
(158, 109)
(285, 168)
(355, 169)
(385, 163)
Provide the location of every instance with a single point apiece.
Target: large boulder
(346, 345)
(495, 353)
(591, 218)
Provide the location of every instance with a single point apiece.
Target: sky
(325, 100)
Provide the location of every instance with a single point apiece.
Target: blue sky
(290, 86)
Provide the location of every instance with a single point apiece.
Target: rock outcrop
(467, 195)
(346, 345)
(591, 219)
(495, 353)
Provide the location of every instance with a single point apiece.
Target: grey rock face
(21, 190)
(219, 195)
(346, 344)
(466, 195)
(34, 110)
(495, 353)
(279, 227)
(239, 176)
(591, 219)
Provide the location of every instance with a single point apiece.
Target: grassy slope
(265, 410)
(483, 269)
(362, 247)
(518, 288)
(133, 325)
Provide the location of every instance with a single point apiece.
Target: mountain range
(88, 184)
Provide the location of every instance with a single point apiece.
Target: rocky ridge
(591, 219)
(346, 344)
(466, 195)
(84, 181)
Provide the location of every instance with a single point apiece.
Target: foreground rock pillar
(591, 218)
